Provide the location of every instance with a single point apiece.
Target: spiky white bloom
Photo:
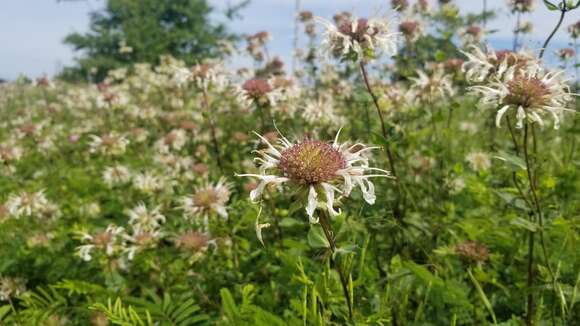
(90, 210)
(501, 65)
(321, 110)
(479, 161)
(174, 140)
(434, 86)
(115, 175)
(11, 287)
(207, 199)
(359, 39)
(27, 204)
(316, 168)
(472, 35)
(532, 93)
(143, 219)
(108, 241)
(10, 153)
(108, 144)
(148, 183)
(139, 240)
(204, 76)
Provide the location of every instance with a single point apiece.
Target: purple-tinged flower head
(566, 54)
(422, 6)
(358, 39)
(472, 34)
(522, 6)
(306, 16)
(256, 88)
(411, 30)
(574, 30)
(257, 91)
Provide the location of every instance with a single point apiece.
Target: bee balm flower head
(533, 94)
(359, 39)
(316, 170)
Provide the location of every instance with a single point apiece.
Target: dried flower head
(472, 252)
(316, 168)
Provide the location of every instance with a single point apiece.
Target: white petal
(329, 192)
(500, 114)
(520, 116)
(312, 203)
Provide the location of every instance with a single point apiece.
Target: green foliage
(130, 31)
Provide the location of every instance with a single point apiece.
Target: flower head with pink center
(208, 199)
(259, 91)
(359, 39)
(316, 170)
(481, 66)
(532, 93)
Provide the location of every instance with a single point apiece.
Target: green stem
(398, 211)
(327, 228)
(530, 300)
(212, 129)
(563, 13)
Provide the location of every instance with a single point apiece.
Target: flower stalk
(212, 129)
(398, 211)
(327, 228)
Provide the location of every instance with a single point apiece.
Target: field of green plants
(405, 173)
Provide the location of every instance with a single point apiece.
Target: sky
(31, 31)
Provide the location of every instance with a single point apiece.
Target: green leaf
(551, 6)
(513, 160)
(525, 224)
(316, 237)
(482, 296)
(228, 304)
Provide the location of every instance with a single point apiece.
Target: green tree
(128, 31)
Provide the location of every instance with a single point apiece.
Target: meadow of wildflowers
(403, 172)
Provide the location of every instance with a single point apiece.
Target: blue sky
(31, 31)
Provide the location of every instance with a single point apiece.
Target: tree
(128, 31)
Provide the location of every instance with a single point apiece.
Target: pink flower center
(362, 29)
(311, 162)
(205, 198)
(257, 87)
(527, 92)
